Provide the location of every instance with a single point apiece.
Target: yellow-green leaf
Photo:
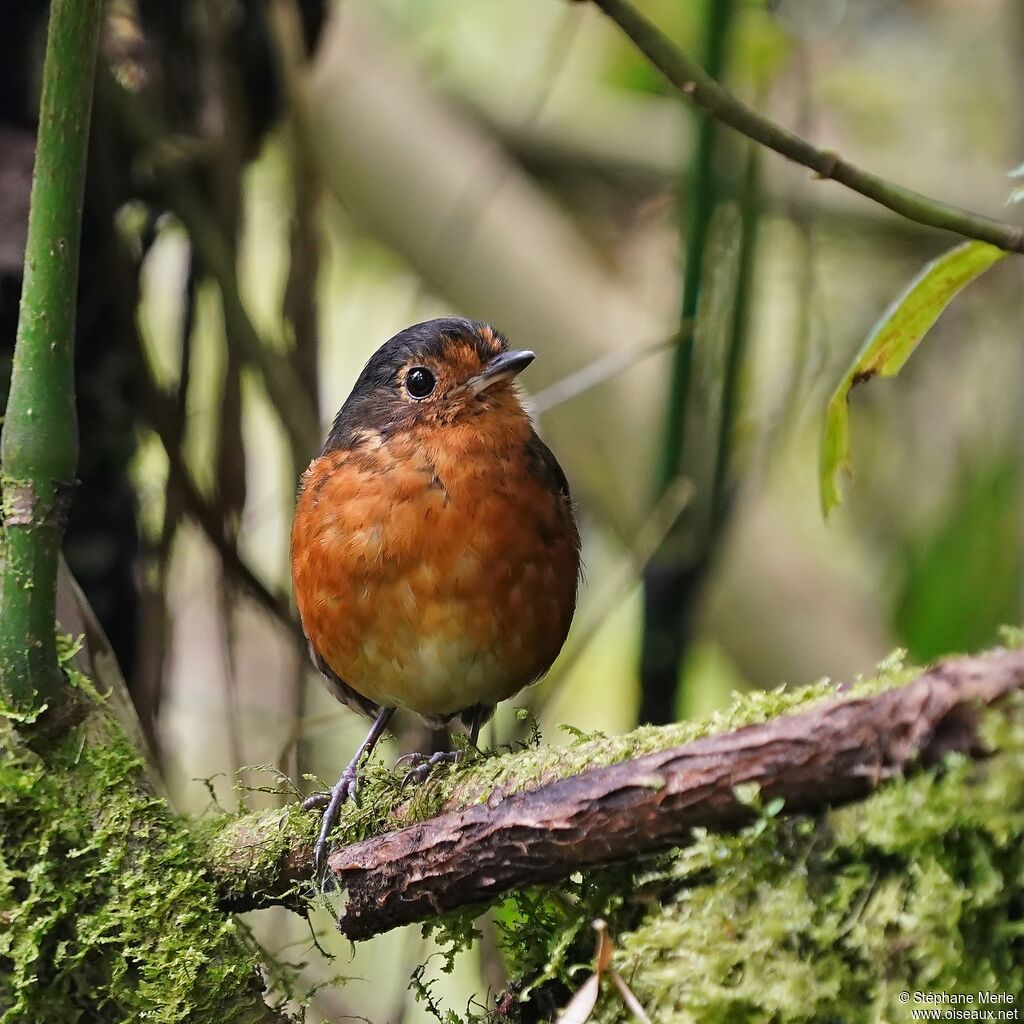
(891, 343)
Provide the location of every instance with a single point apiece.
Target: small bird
(434, 551)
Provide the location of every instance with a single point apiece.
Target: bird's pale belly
(433, 588)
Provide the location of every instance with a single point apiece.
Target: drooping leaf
(583, 1003)
(891, 343)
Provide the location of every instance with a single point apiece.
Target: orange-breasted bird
(435, 553)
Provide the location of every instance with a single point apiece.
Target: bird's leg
(421, 765)
(346, 786)
(474, 728)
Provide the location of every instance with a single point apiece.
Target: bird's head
(432, 375)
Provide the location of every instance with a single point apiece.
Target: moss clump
(106, 913)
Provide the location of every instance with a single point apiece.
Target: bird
(435, 552)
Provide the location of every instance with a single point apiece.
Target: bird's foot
(421, 765)
(345, 788)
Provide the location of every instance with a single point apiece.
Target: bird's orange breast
(437, 570)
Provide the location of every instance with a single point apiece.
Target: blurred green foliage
(960, 575)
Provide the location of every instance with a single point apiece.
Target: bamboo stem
(697, 224)
(721, 494)
(39, 448)
(670, 580)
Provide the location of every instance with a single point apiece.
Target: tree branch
(544, 826)
(717, 102)
(159, 413)
(276, 370)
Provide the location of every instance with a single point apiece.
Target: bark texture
(839, 750)
(824, 757)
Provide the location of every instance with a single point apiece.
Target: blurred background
(278, 186)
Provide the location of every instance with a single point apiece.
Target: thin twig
(687, 75)
(599, 372)
(209, 520)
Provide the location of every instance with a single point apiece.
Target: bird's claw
(346, 788)
(423, 764)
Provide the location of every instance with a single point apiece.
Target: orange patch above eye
(494, 343)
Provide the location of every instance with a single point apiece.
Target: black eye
(419, 382)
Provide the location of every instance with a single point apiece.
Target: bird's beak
(501, 368)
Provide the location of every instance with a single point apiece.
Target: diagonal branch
(477, 850)
(716, 101)
(276, 370)
(159, 409)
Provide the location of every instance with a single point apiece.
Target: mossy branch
(541, 816)
(717, 102)
(40, 439)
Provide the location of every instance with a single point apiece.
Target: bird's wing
(339, 687)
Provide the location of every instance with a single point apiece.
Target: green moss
(521, 770)
(385, 805)
(920, 887)
(106, 913)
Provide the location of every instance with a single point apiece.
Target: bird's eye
(419, 382)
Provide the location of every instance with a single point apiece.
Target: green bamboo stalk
(671, 578)
(749, 200)
(697, 223)
(39, 447)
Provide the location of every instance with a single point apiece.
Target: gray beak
(501, 368)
